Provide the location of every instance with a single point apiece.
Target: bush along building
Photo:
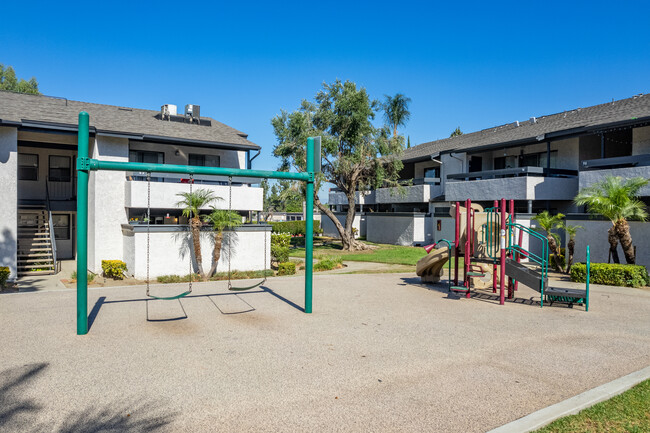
(541, 163)
(38, 149)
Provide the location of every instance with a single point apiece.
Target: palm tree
(396, 111)
(616, 199)
(547, 223)
(571, 244)
(220, 219)
(192, 203)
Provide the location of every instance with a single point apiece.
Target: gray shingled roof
(37, 109)
(637, 107)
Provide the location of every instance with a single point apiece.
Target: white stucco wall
(106, 211)
(641, 140)
(8, 214)
(595, 235)
(451, 165)
(169, 251)
(164, 195)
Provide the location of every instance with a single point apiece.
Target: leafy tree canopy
(9, 81)
(456, 132)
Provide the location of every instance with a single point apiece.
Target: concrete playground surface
(380, 353)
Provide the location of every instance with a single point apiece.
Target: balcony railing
(513, 172)
(59, 189)
(618, 162)
(139, 176)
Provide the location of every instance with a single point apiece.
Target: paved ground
(380, 353)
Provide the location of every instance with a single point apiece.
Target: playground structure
(85, 165)
(492, 247)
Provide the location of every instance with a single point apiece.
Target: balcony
(521, 183)
(166, 187)
(595, 170)
(419, 190)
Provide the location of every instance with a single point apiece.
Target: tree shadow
(17, 412)
(23, 414)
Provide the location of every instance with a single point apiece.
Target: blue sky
(467, 64)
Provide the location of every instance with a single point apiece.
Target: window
(61, 226)
(538, 160)
(146, 157)
(432, 172)
(204, 160)
(27, 166)
(60, 169)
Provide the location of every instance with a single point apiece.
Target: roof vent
(516, 123)
(193, 113)
(167, 111)
(533, 120)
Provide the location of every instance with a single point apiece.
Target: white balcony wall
(178, 155)
(338, 197)
(516, 188)
(164, 195)
(8, 214)
(408, 194)
(169, 250)
(590, 177)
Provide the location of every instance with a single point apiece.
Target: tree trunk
(623, 233)
(570, 249)
(552, 246)
(613, 243)
(196, 240)
(347, 240)
(216, 252)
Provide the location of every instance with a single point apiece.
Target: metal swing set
(85, 165)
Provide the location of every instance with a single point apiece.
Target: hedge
(611, 274)
(287, 268)
(294, 227)
(4, 276)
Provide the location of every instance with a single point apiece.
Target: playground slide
(430, 267)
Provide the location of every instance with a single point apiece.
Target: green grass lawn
(628, 412)
(393, 254)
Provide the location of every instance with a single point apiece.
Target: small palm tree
(220, 219)
(571, 244)
(396, 111)
(192, 203)
(616, 199)
(547, 223)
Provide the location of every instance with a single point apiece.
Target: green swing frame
(85, 165)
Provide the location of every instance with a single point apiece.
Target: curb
(573, 405)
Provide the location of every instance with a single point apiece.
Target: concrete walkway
(379, 353)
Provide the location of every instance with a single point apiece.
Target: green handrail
(540, 260)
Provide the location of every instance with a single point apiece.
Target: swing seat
(241, 289)
(170, 298)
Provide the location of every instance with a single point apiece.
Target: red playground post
(511, 282)
(457, 243)
(494, 238)
(469, 235)
(502, 245)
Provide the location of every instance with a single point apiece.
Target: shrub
(114, 269)
(177, 278)
(611, 274)
(294, 227)
(90, 276)
(280, 243)
(287, 268)
(4, 276)
(328, 263)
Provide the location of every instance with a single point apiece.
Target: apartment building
(38, 149)
(541, 163)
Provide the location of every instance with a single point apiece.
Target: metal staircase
(36, 246)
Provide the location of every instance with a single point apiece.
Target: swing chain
(230, 231)
(191, 233)
(148, 222)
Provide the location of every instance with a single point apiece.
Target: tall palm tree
(192, 203)
(396, 111)
(616, 199)
(547, 223)
(220, 219)
(571, 232)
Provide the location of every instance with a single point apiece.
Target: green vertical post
(82, 225)
(309, 226)
(587, 288)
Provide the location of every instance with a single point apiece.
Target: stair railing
(50, 222)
